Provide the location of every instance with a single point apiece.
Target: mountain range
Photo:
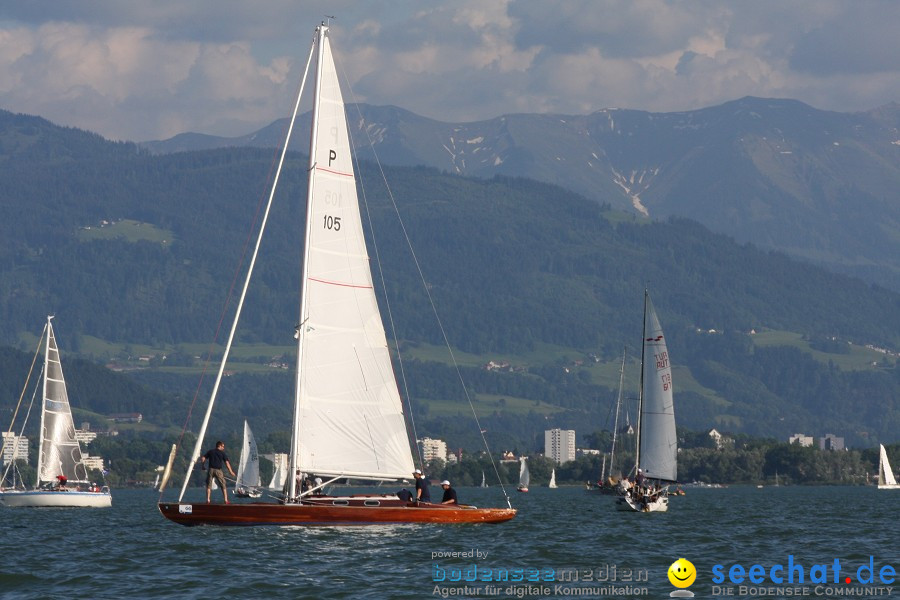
(818, 185)
(128, 247)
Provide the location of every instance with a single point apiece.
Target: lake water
(567, 533)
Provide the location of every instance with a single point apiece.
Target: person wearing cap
(449, 493)
(423, 494)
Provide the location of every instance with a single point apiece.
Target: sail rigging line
(224, 312)
(15, 456)
(37, 352)
(202, 433)
(421, 274)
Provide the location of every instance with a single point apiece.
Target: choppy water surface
(131, 550)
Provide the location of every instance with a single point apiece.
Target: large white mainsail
(348, 413)
(658, 446)
(59, 452)
(248, 468)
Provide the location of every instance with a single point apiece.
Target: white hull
(47, 499)
(886, 486)
(660, 504)
(247, 493)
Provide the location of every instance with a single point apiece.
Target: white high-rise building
(432, 449)
(559, 445)
(14, 445)
(92, 462)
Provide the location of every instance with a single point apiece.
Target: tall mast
(294, 459)
(612, 454)
(637, 460)
(40, 463)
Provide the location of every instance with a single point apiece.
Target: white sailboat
(524, 475)
(348, 420)
(247, 482)
(886, 479)
(62, 477)
(613, 484)
(280, 472)
(483, 480)
(552, 485)
(656, 464)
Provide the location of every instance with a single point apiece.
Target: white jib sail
(659, 444)
(524, 474)
(350, 417)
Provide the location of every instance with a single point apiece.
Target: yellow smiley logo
(682, 573)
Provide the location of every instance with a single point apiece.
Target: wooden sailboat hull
(54, 499)
(329, 511)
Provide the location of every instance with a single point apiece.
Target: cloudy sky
(144, 70)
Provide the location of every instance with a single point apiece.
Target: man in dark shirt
(423, 494)
(217, 459)
(449, 493)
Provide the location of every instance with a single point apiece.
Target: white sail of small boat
(886, 480)
(483, 480)
(524, 475)
(280, 471)
(552, 484)
(247, 482)
(656, 464)
(62, 477)
(348, 418)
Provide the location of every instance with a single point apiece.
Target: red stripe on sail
(338, 283)
(333, 172)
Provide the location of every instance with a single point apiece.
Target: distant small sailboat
(524, 475)
(483, 480)
(552, 485)
(280, 472)
(247, 484)
(613, 484)
(61, 471)
(886, 479)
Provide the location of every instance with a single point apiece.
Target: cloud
(153, 69)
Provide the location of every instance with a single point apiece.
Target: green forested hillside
(513, 266)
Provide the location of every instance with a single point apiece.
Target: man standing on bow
(217, 460)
